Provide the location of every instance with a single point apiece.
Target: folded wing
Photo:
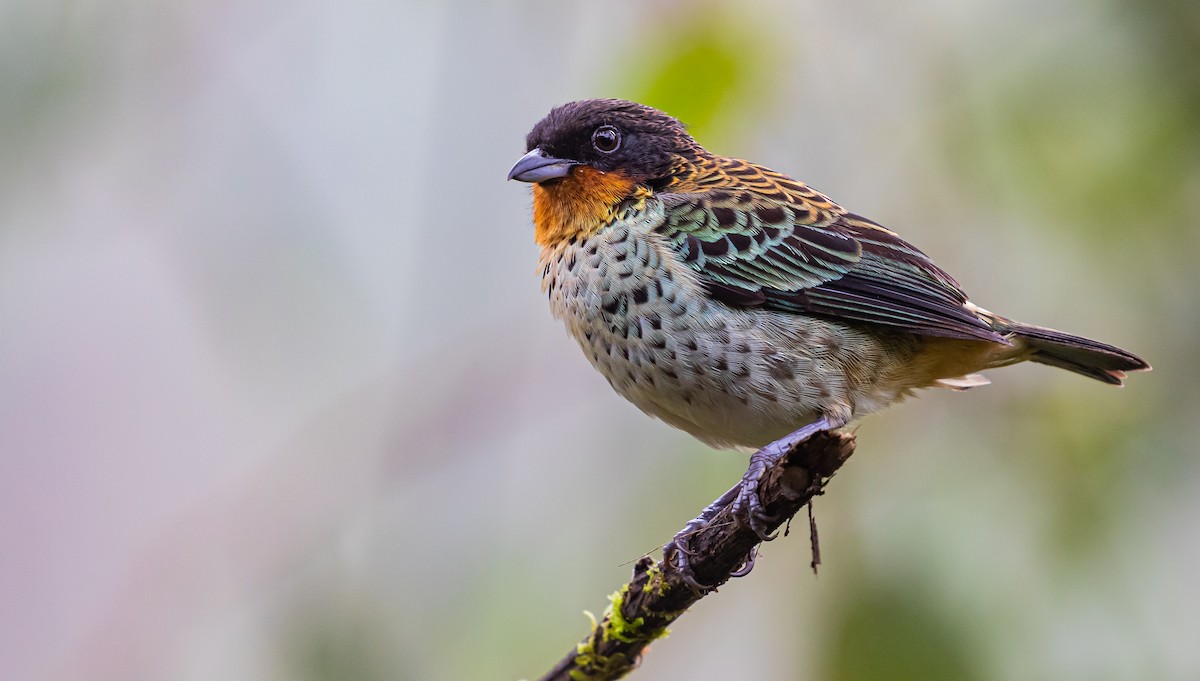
(788, 256)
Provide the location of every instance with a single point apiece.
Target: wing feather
(795, 251)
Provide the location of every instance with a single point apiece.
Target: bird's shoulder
(760, 238)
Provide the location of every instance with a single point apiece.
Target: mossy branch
(641, 610)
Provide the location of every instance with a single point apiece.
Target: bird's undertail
(1085, 356)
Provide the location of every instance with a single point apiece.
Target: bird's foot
(748, 504)
(678, 555)
(743, 501)
(678, 551)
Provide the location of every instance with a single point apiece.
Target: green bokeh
(711, 67)
(882, 634)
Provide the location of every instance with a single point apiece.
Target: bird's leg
(682, 539)
(748, 501)
(678, 550)
(741, 498)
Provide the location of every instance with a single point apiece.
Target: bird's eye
(606, 139)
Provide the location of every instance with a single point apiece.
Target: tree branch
(657, 595)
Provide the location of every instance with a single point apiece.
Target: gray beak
(537, 167)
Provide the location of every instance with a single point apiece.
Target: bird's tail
(1085, 356)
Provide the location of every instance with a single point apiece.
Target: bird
(742, 306)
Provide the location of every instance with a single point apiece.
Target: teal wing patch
(790, 257)
(745, 246)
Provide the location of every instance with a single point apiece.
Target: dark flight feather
(799, 257)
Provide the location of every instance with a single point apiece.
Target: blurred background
(280, 397)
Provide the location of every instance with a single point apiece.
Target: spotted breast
(728, 376)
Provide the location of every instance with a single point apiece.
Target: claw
(678, 560)
(744, 503)
(678, 551)
(681, 542)
(747, 566)
(748, 505)
(680, 547)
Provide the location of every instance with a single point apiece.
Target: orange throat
(579, 205)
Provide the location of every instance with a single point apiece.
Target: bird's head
(606, 135)
(585, 158)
